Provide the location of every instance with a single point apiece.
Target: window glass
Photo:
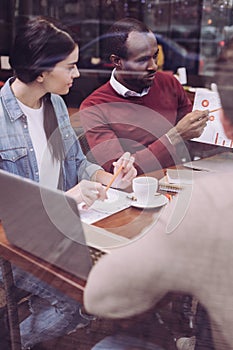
(190, 33)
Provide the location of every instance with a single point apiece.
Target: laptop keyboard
(96, 254)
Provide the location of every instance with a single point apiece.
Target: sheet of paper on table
(213, 132)
(117, 201)
(222, 162)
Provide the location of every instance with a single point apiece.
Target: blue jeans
(124, 342)
(53, 314)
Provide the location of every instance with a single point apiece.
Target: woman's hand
(128, 172)
(87, 192)
(125, 177)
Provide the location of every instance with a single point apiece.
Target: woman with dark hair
(38, 142)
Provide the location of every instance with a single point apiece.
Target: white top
(49, 168)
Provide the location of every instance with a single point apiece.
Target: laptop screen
(44, 222)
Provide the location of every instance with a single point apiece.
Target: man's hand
(192, 125)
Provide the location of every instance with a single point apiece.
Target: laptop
(46, 223)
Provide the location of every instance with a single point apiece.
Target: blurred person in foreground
(193, 256)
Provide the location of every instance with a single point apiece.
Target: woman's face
(60, 79)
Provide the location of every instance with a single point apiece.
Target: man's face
(138, 70)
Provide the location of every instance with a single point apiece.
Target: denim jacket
(17, 154)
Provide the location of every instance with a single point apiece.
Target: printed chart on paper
(213, 132)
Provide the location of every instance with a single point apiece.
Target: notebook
(46, 223)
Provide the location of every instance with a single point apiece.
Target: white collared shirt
(122, 90)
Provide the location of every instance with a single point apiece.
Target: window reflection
(191, 33)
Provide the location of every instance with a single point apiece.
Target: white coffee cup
(144, 188)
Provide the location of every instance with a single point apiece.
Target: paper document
(213, 132)
(117, 201)
(222, 162)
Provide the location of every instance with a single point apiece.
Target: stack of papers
(175, 180)
(165, 185)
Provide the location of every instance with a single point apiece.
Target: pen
(215, 110)
(212, 111)
(169, 196)
(114, 177)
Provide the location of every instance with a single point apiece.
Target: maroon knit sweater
(114, 124)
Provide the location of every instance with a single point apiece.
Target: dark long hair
(39, 45)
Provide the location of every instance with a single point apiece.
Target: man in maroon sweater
(139, 110)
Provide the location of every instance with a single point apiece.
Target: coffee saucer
(156, 202)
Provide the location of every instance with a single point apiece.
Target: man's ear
(116, 61)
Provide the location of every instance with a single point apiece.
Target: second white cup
(144, 188)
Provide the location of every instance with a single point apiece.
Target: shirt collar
(122, 90)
